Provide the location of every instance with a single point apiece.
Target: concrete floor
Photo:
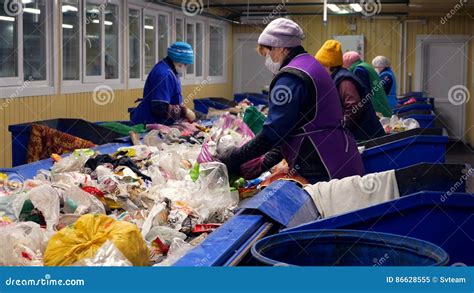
(459, 153)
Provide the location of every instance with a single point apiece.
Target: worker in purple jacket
(305, 121)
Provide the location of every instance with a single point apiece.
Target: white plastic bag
(108, 255)
(72, 163)
(22, 244)
(79, 202)
(46, 199)
(178, 249)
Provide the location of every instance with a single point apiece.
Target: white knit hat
(281, 33)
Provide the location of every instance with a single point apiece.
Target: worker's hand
(228, 158)
(190, 115)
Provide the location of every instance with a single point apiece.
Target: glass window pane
(150, 47)
(216, 50)
(71, 39)
(8, 43)
(111, 41)
(198, 56)
(163, 36)
(179, 30)
(134, 43)
(35, 16)
(93, 40)
(190, 40)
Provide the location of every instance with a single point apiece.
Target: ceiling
(235, 9)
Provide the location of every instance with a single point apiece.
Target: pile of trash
(395, 124)
(143, 205)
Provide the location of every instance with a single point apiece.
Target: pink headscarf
(349, 58)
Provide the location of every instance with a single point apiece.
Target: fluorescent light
(95, 21)
(334, 7)
(149, 27)
(68, 26)
(7, 18)
(26, 1)
(343, 11)
(356, 7)
(108, 22)
(32, 10)
(94, 10)
(67, 8)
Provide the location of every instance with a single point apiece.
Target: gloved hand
(252, 169)
(229, 157)
(190, 115)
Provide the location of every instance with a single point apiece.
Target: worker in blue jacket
(162, 101)
(382, 66)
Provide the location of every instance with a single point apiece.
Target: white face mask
(274, 67)
(180, 68)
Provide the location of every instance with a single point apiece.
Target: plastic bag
(79, 202)
(227, 125)
(22, 244)
(395, 124)
(108, 255)
(44, 198)
(165, 234)
(178, 249)
(158, 216)
(88, 234)
(74, 162)
(153, 139)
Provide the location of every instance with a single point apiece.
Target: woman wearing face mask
(162, 99)
(382, 66)
(305, 122)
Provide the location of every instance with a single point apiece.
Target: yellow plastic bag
(86, 236)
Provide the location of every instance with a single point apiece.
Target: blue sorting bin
(411, 107)
(254, 98)
(404, 149)
(76, 127)
(203, 105)
(425, 121)
(346, 248)
(442, 218)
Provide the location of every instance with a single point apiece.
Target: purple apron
(336, 147)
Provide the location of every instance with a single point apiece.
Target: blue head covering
(181, 52)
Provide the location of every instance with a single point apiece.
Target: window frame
(192, 79)
(169, 24)
(135, 83)
(144, 15)
(17, 86)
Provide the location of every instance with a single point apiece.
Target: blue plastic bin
(76, 127)
(404, 152)
(411, 107)
(425, 121)
(346, 248)
(203, 105)
(254, 98)
(439, 217)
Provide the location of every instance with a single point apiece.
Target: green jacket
(376, 92)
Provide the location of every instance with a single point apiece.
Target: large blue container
(414, 106)
(254, 98)
(76, 127)
(203, 105)
(442, 218)
(425, 121)
(346, 248)
(407, 151)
